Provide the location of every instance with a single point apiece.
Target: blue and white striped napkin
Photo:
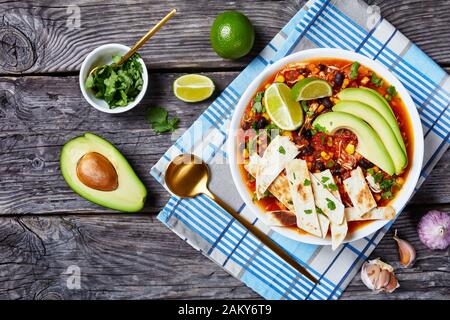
(346, 24)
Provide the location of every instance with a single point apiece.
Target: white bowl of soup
(366, 136)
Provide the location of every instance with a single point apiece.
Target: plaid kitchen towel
(346, 24)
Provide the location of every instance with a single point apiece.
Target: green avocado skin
(131, 193)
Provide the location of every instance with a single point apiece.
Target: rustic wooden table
(48, 232)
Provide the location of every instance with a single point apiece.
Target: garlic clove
(406, 251)
(383, 279)
(392, 285)
(379, 276)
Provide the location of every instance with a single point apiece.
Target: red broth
(314, 68)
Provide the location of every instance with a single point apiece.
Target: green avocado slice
(376, 101)
(369, 145)
(381, 127)
(130, 193)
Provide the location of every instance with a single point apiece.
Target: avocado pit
(97, 172)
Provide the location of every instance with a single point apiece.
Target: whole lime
(232, 35)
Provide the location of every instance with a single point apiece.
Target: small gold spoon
(187, 176)
(142, 40)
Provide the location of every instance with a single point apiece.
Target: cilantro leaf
(330, 204)
(281, 150)
(158, 117)
(376, 80)
(319, 128)
(308, 211)
(307, 182)
(354, 70)
(391, 91)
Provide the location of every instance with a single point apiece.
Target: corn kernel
(309, 165)
(334, 100)
(400, 180)
(266, 86)
(325, 155)
(279, 78)
(376, 169)
(365, 80)
(350, 148)
(345, 83)
(377, 197)
(287, 134)
(301, 77)
(266, 116)
(245, 153)
(320, 109)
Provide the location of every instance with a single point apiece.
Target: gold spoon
(142, 40)
(187, 176)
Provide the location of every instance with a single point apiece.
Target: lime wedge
(311, 88)
(193, 88)
(284, 111)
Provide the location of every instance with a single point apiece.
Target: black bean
(245, 126)
(306, 151)
(319, 165)
(339, 79)
(307, 134)
(365, 164)
(261, 124)
(322, 67)
(326, 102)
(336, 171)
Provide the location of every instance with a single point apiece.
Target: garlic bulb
(406, 251)
(379, 276)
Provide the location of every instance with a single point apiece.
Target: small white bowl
(101, 56)
(416, 162)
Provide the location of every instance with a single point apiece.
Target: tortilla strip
(279, 187)
(302, 195)
(338, 234)
(380, 213)
(281, 219)
(359, 192)
(338, 230)
(324, 198)
(277, 154)
(324, 224)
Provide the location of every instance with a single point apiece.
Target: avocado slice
(381, 127)
(98, 172)
(369, 143)
(379, 103)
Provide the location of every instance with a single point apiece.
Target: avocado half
(98, 172)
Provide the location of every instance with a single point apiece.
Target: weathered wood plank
(55, 37)
(39, 114)
(135, 256)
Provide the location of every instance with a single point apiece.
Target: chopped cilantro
(308, 211)
(325, 179)
(330, 164)
(388, 98)
(307, 182)
(322, 139)
(258, 96)
(304, 105)
(118, 85)
(319, 211)
(319, 128)
(376, 80)
(386, 195)
(281, 150)
(370, 171)
(332, 187)
(377, 177)
(257, 107)
(158, 117)
(354, 70)
(330, 204)
(391, 91)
